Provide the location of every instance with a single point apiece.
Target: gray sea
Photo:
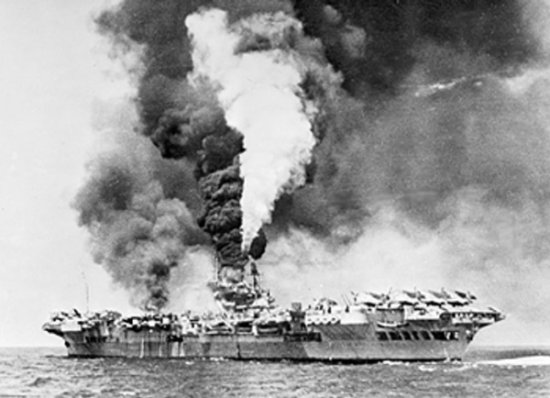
(495, 372)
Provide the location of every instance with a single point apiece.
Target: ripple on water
(33, 375)
(40, 381)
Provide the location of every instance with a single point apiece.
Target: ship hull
(339, 343)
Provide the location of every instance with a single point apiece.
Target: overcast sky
(52, 74)
(52, 70)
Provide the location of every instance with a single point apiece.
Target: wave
(40, 381)
(534, 360)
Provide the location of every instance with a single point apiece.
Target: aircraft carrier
(362, 327)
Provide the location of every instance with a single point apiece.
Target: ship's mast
(86, 289)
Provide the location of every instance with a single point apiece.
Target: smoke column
(139, 233)
(262, 99)
(200, 136)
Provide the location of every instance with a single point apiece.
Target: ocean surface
(494, 372)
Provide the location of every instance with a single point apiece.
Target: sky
(54, 76)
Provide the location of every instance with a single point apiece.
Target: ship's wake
(533, 360)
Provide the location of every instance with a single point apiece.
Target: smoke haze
(424, 149)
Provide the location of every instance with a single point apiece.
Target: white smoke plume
(261, 95)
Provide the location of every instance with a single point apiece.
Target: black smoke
(376, 43)
(140, 223)
(383, 141)
(388, 133)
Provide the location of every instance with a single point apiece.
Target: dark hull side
(341, 343)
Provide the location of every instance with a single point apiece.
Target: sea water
(496, 372)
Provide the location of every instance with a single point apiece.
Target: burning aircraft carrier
(366, 327)
(257, 120)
